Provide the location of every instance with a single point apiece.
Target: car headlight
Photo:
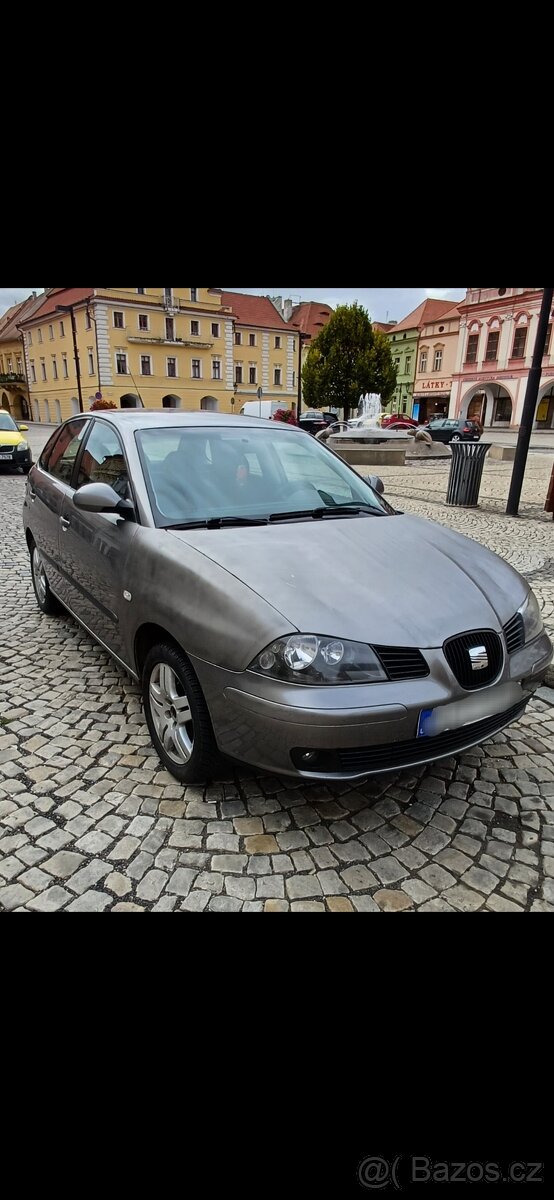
(532, 618)
(312, 660)
(22, 447)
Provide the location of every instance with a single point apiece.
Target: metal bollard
(466, 473)
(549, 506)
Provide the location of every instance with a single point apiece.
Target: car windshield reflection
(196, 476)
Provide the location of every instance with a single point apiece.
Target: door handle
(65, 524)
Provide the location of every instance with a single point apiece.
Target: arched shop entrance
(130, 401)
(171, 402)
(490, 404)
(545, 407)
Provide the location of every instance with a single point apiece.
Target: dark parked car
(212, 558)
(446, 431)
(315, 422)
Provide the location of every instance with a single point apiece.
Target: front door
(94, 546)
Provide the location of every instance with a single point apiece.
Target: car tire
(46, 600)
(177, 716)
(456, 438)
(27, 469)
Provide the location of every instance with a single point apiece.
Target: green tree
(348, 358)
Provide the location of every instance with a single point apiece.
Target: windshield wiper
(318, 514)
(219, 523)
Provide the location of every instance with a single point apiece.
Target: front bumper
(17, 460)
(353, 732)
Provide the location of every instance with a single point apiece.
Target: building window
(423, 363)
(30, 338)
(195, 328)
(43, 370)
(196, 368)
(141, 291)
(65, 366)
(88, 320)
(194, 295)
(503, 410)
(520, 342)
(238, 338)
(252, 339)
(215, 329)
(239, 374)
(40, 337)
(216, 368)
(408, 365)
(277, 343)
(145, 364)
(33, 372)
(437, 365)
(169, 329)
(548, 342)
(253, 374)
(62, 326)
(144, 322)
(472, 348)
(278, 377)
(168, 295)
(51, 332)
(54, 368)
(492, 346)
(118, 320)
(90, 362)
(121, 364)
(172, 368)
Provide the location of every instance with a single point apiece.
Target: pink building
(498, 329)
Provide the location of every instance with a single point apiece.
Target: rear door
(46, 491)
(94, 547)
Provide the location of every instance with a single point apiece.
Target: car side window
(103, 461)
(48, 449)
(64, 453)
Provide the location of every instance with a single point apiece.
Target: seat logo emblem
(479, 658)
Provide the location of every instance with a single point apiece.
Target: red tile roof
(382, 327)
(61, 296)
(256, 311)
(311, 317)
(14, 316)
(430, 310)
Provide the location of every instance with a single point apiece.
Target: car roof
(138, 418)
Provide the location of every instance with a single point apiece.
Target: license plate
(434, 721)
(6, 456)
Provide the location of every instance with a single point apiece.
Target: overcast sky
(381, 302)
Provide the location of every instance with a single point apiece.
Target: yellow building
(14, 392)
(190, 348)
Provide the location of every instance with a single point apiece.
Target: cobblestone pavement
(89, 822)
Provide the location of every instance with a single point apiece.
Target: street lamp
(69, 308)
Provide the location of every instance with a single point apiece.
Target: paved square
(89, 822)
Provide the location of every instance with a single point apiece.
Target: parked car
(212, 558)
(398, 420)
(315, 422)
(15, 450)
(443, 430)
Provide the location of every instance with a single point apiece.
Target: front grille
(6, 449)
(458, 656)
(514, 633)
(407, 754)
(402, 663)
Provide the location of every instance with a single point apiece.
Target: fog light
(309, 757)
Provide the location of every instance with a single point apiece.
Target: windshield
(6, 424)
(206, 474)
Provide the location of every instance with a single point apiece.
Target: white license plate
(6, 456)
(488, 703)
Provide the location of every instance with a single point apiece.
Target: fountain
(370, 408)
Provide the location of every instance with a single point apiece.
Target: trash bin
(466, 473)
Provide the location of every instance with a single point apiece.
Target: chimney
(277, 302)
(287, 310)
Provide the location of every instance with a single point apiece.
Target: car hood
(387, 580)
(10, 439)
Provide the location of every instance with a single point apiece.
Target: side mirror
(23, 428)
(101, 498)
(377, 484)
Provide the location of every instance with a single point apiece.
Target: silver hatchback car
(274, 607)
